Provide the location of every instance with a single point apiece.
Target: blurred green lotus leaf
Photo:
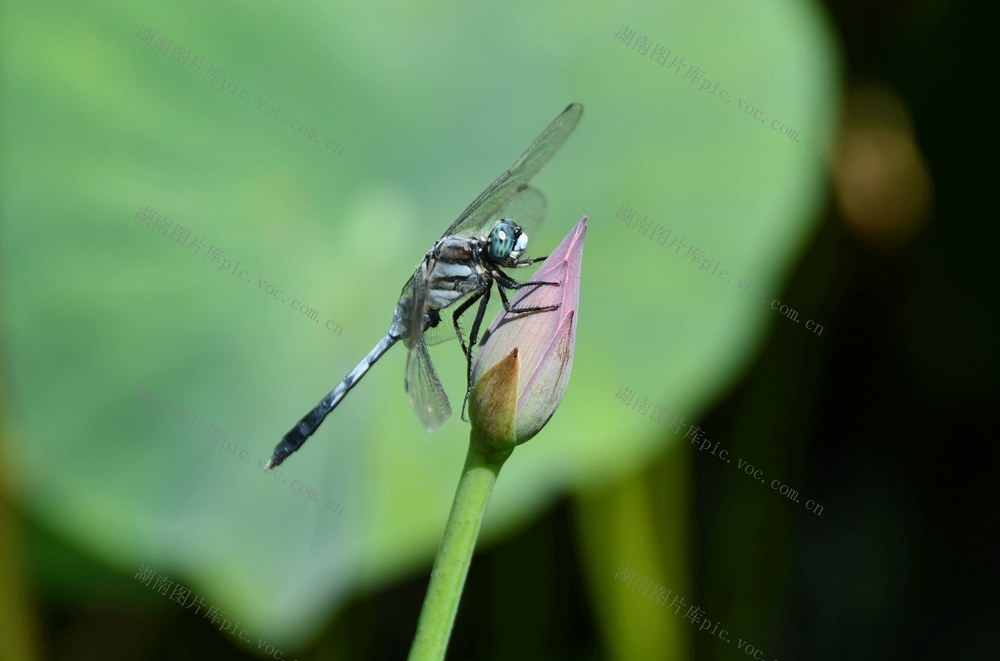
(208, 216)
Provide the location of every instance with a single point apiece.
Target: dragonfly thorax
(506, 242)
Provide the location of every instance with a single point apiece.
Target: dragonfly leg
(504, 280)
(473, 336)
(511, 283)
(529, 262)
(459, 311)
(518, 310)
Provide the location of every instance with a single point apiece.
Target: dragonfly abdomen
(294, 439)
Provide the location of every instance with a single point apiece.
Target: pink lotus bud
(521, 371)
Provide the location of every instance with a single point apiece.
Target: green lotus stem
(505, 410)
(451, 566)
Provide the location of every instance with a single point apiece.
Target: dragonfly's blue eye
(506, 240)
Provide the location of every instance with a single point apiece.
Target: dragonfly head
(506, 242)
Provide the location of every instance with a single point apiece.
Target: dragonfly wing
(527, 209)
(413, 301)
(427, 396)
(445, 330)
(497, 195)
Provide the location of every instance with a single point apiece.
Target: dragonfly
(459, 270)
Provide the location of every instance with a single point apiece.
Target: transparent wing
(445, 330)
(427, 396)
(441, 333)
(415, 290)
(492, 201)
(527, 209)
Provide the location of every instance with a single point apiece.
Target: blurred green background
(207, 215)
